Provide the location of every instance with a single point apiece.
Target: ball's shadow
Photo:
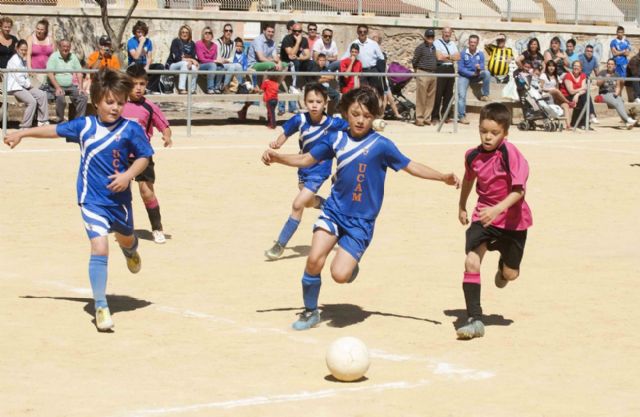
(332, 378)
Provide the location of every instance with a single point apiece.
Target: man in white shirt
(446, 55)
(370, 54)
(327, 46)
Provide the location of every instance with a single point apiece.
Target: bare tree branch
(134, 4)
(104, 14)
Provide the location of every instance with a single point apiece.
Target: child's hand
(167, 142)
(120, 182)
(268, 156)
(488, 215)
(452, 179)
(463, 217)
(13, 139)
(275, 144)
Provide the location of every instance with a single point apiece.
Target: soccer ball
(348, 359)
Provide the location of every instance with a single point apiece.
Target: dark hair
(137, 71)
(474, 37)
(105, 81)
(498, 113)
(311, 24)
(364, 96)
(572, 42)
(619, 28)
(140, 25)
(531, 41)
(45, 23)
(321, 55)
(588, 46)
(268, 25)
(238, 39)
(290, 24)
(555, 39)
(227, 25)
(362, 25)
(21, 42)
(354, 46)
(611, 59)
(555, 69)
(327, 30)
(317, 88)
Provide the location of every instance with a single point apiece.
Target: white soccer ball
(348, 359)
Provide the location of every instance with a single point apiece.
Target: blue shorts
(354, 234)
(311, 182)
(100, 220)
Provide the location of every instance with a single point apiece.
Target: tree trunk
(116, 39)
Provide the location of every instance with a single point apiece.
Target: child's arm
(277, 144)
(120, 181)
(166, 137)
(488, 214)
(13, 139)
(293, 160)
(422, 171)
(467, 185)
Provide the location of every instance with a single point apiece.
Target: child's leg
(342, 266)
(98, 270)
(302, 200)
(147, 192)
(129, 246)
(471, 281)
(321, 246)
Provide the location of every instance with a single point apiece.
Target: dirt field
(204, 329)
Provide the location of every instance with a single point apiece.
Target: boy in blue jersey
(349, 214)
(620, 51)
(312, 125)
(104, 196)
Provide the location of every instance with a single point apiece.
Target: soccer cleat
(134, 262)
(158, 236)
(103, 319)
(594, 119)
(307, 320)
(473, 328)
(500, 280)
(275, 252)
(631, 123)
(354, 274)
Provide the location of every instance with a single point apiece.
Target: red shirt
(494, 183)
(349, 82)
(270, 90)
(575, 83)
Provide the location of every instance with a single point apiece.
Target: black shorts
(510, 243)
(149, 173)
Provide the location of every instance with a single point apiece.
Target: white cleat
(158, 237)
(103, 319)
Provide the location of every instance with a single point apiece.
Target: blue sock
(128, 252)
(288, 230)
(98, 278)
(311, 290)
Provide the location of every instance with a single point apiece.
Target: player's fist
(269, 156)
(451, 179)
(488, 215)
(275, 145)
(12, 139)
(463, 217)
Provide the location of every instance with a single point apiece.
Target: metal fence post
(575, 10)
(454, 98)
(189, 101)
(588, 105)
(5, 108)
(359, 7)
(438, 9)
(509, 10)
(638, 12)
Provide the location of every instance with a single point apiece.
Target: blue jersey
(362, 167)
(620, 45)
(104, 149)
(309, 136)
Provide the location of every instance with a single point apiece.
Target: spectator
(182, 57)
(424, 61)
(446, 54)
(350, 64)
(240, 59)
(531, 55)
(499, 57)
(139, 47)
(471, 71)
(207, 53)
(294, 52)
(589, 62)
(269, 88)
(633, 68)
(19, 84)
(620, 51)
(555, 54)
(312, 36)
(8, 42)
(226, 51)
(103, 57)
(40, 47)
(61, 84)
(293, 105)
(327, 46)
(610, 90)
(381, 65)
(262, 52)
(325, 80)
(552, 85)
(370, 53)
(571, 53)
(576, 84)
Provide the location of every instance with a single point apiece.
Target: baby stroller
(537, 106)
(396, 83)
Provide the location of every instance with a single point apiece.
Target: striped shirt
(424, 58)
(499, 59)
(225, 50)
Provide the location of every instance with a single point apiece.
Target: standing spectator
(312, 36)
(446, 54)
(327, 46)
(620, 51)
(40, 47)
(555, 54)
(589, 62)
(269, 88)
(8, 42)
(471, 71)
(207, 53)
(293, 105)
(610, 90)
(425, 61)
(226, 50)
(576, 84)
(370, 53)
(61, 84)
(553, 85)
(182, 56)
(19, 84)
(350, 64)
(295, 52)
(572, 55)
(633, 68)
(103, 57)
(531, 55)
(499, 57)
(325, 80)
(139, 47)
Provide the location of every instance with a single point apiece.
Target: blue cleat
(307, 320)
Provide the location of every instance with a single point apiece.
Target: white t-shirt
(550, 84)
(321, 48)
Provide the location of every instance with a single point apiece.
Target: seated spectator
(61, 83)
(207, 53)
(532, 54)
(262, 51)
(368, 56)
(589, 62)
(633, 70)
(325, 80)
(295, 52)
(572, 55)
(182, 57)
(19, 85)
(471, 70)
(40, 47)
(327, 46)
(103, 57)
(576, 84)
(499, 57)
(139, 47)
(312, 37)
(551, 84)
(611, 90)
(555, 54)
(387, 97)
(350, 64)
(8, 42)
(226, 48)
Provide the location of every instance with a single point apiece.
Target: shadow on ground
(490, 320)
(146, 235)
(117, 303)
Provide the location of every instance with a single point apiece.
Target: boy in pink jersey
(148, 115)
(501, 217)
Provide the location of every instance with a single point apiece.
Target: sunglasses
(313, 30)
(229, 30)
(208, 33)
(327, 36)
(296, 31)
(363, 32)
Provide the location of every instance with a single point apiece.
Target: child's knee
(315, 264)
(472, 263)
(341, 275)
(510, 274)
(297, 207)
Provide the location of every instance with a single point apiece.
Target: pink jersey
(136, 111)
(497, 172)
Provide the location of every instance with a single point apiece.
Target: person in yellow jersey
(499, 57)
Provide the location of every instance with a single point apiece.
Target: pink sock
(151, 204)
(471, 278)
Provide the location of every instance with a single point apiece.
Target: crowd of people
(559, 74)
